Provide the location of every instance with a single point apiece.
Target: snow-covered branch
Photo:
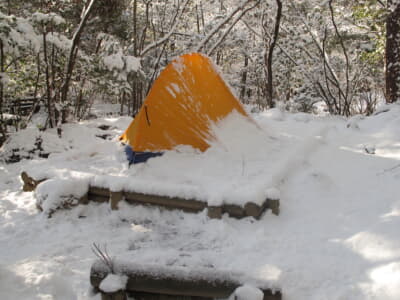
(166, 37)
(219, 26)
(228, 30)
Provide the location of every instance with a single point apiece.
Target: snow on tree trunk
(393, 51)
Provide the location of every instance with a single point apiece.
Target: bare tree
(74, 49)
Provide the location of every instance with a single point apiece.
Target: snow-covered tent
(184, 102)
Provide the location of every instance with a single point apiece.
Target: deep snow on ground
(337, 236)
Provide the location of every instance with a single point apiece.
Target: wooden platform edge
(100, 194)
(168, 284)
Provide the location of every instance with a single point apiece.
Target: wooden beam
(212, 284)
(101, 194)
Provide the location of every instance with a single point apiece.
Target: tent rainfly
(184, 101)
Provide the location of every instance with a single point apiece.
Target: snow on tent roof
(187, 97)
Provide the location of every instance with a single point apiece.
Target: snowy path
(337, 236)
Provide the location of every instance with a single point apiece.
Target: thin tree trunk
(197, 19)
(3, 126)
(74, 51)
(244, 77)
(50, 107)
(135, 43)
(347, 101)
(392, 73)
(269, 54)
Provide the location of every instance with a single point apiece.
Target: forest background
(338, 57)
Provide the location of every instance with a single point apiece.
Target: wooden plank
(274, 206)
(115, 198)
(234, 210)
(253, 210)
(210, 287)
(100, 191)
(167, 202)
(100, 194)
(119, 295)
(98, 198)
(214, 212)
(151, 296)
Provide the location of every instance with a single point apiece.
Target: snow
(337, 236)
(114, 61)
(57, 193)
(132, 63)
(121, 64)
(113, 283)
(51, 17)
(247, 292)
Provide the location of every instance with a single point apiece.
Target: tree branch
(168, 35)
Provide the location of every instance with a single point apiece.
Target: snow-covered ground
(337, 236)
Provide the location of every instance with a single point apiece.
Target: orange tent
(188, 95)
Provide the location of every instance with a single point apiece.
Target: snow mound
(247, 292)
(113, 283)
(53, 194)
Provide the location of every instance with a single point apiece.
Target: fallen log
(104, 195)
(155, 282)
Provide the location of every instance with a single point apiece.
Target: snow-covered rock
(113, 283)
(247, 292)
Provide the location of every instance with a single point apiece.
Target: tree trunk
(50, 100)
(3, 126)
(243, 81)
(74, 51)
(393, 52)
(269, 53)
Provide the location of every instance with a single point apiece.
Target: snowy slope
(337, 236)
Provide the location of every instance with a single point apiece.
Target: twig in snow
(103, 256)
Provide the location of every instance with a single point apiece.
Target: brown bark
(50, 104)
(393, 52)
(74, 50)
(3, 127)
(243, 81)
(269, 54)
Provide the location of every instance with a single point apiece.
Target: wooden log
(98, 194)
(274, 206)
(164, 201)
(30, 184)
(99, 191)
(119, 295)
(98, 198)
(84, 199)
(115, 198)
(253, 210)
(214, 212)
(28, 187)
(234, 210)
(152, 296)
(156, 284)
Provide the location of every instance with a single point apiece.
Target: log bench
(101, 194)
(21, 106)
(148, 282)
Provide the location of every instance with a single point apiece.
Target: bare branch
(166, 37)
(221, 24)
(228, 30)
